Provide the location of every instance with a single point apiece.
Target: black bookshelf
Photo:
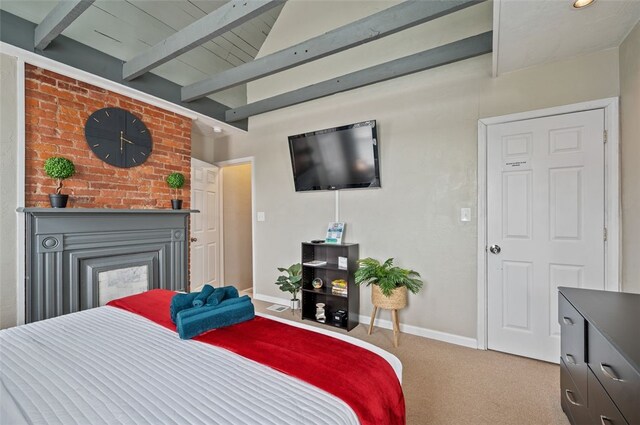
(329, 272)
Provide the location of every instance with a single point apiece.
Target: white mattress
(109, 366)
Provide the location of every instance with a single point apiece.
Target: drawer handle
(608, 372)
(569, 395)
(567, 321)
(570, 359)
(604, 420)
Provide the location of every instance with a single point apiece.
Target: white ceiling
(123, 29)
(533, 32)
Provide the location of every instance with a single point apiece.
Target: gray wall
(630, 134)
(236, 192)
(8, 189)
(428, 137)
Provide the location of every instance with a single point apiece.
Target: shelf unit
(329, 272)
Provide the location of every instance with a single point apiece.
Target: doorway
(205, 225)
(548, 217)
(236, 179)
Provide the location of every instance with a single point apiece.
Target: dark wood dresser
(600, 356)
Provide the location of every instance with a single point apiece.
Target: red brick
(41, 79)
(48, 108)
(55, 119)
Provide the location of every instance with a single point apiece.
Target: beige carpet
(448, 384)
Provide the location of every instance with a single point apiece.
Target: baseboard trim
(386, 324)
(270, 299)
(423, 332)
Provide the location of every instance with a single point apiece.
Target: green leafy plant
(59, 168)
(387, 276)
(291, 281)
(175, 181)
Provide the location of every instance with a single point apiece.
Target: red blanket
(362, 379)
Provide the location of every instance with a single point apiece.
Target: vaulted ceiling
(533, 32)
(126, 28)
(201, 53)
(206, 50)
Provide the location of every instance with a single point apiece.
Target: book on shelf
(339, 291)
(339, 283)
(315, 263)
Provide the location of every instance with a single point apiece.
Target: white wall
(428, 137)
(238, 258)
(8, 190)
(630, 147)
(202, 145)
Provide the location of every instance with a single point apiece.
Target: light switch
(465, 214)
(261, 216)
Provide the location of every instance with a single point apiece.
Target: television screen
(336, 158)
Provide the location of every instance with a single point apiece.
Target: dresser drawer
(574, 403)
(602, 410)
(618, 378)
(573, 343)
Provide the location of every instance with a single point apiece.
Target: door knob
(194, 239)
(495, 249)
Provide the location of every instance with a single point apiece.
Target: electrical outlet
(261, 216)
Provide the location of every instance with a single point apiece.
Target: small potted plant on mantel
(291, 282)
(389, 290)
(59, 168)
(175, 182)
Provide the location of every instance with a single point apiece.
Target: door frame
(229, 163)
(205, 165)
(612, 196)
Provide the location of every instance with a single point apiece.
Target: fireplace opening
(122, 282)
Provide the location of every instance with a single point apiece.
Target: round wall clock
(118, 137)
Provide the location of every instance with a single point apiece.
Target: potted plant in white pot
(175, 181)
(390, 286)
(59, 168)
(291, 282)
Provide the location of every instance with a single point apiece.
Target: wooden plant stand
(397, 301)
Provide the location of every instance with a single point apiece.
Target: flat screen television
(343, 157)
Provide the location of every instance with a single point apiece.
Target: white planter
(295, 304)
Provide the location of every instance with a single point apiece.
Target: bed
(113, 365)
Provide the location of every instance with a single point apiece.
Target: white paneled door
(545, 225)
(205, 234)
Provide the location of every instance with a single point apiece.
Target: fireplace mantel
(67, 249)
(64, 211)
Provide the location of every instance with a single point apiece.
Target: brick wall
(57, 108)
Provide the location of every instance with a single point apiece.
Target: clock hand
(121, 143)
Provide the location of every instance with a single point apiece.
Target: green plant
(175, 181)
(291, 281)
(59, 168)
(387, 276)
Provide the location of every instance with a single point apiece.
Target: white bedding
(109, 366)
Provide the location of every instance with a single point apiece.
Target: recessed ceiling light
(579, 4)
(217, 130)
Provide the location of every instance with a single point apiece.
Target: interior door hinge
(606, 137)
(605, 234)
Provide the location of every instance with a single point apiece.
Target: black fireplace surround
(66, 249)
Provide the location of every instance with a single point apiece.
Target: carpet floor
(449, 384)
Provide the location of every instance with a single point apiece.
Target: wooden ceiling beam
(389, 21)
(218, 22)
(443, 55)
(62, 15)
